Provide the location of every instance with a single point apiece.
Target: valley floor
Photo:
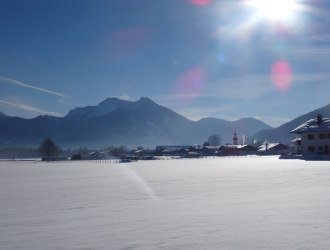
(215, 203)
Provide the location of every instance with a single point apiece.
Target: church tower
(235, 139)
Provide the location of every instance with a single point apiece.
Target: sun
(275, 10)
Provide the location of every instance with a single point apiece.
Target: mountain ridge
(282, 133)
(106, 107)
(119, 122)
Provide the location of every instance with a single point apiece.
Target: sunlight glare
(277, 10)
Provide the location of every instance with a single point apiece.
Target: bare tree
(83, 151)
(214, 140)
(117, 151)
(49, 149)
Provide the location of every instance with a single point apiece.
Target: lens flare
(127, 43)
(281, 74)
(190, 84)
(222, 58)
(200, 2)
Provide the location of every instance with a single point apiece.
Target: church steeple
(235, 139)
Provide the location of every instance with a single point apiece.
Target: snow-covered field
(229, 203)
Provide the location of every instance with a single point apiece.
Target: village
(313, 142)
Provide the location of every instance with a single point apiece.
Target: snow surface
(227, 203)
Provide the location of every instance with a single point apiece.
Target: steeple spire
(235, 139)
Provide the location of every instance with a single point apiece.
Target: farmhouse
(207, 150)
(237, 150)
(273, 149)
(314, 136)
(172, 150)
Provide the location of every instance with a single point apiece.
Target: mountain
(245, 126)
(282, 133)
(119, 122)
(104, 108)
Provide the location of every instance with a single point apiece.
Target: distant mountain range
(282, 133)
(119, 122)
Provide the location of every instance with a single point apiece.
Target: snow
(312, 125)
(215, 203)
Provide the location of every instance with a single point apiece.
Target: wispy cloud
(244, 87)
(25, 85)
(320, 38)
(123, 97)
(251, 87)
(197, 113)
(29, 108)
(311, 78)
(248, 87)
(310, 54)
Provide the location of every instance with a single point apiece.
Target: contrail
(18, 83)
(29, 108)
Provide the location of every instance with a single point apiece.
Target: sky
(201, 58)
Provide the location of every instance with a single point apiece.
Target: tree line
(48, 149)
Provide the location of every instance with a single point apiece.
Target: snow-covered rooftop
(267, 146)
(238, 146)
(313, 125)
(296, 139)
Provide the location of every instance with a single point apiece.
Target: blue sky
(201, 58)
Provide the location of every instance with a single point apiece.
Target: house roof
(296, 139)
(238, 146)
(170, 150)
(271, 146)
(313, 125)
(210, 147)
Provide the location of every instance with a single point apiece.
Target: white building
(296, 146)
(315, 136)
